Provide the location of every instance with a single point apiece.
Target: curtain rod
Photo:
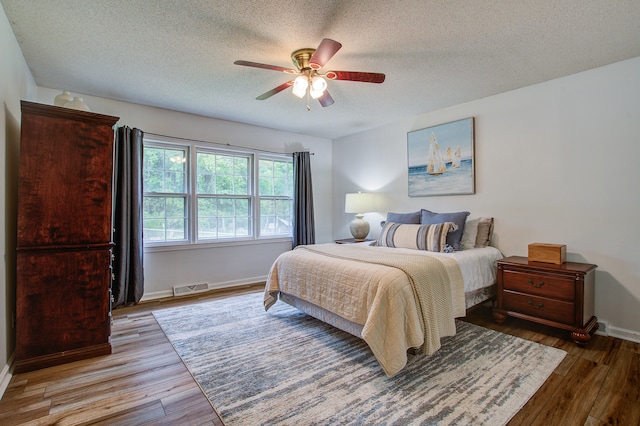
(221, 144)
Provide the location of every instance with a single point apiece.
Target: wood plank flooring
(145, 383)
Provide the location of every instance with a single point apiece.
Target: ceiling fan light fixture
(315, 94)
(300, 85)
(318, 86)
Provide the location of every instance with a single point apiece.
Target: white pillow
(469, 234)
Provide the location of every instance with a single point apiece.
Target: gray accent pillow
(459, 218)
(485, 231)
(410, 218)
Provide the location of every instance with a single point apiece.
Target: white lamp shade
(359, 202)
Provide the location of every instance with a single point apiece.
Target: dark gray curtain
(303, 223)
(128, 285)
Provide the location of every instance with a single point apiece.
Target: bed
(394, 297)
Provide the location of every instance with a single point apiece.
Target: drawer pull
(534, 306)
(539, 285)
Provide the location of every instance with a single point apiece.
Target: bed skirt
(472, 300)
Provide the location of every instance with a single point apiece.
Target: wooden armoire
(64, 236)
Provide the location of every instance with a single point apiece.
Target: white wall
(227, 265)
(16, 82)
(556, 162)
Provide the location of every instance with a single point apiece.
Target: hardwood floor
(145, 383)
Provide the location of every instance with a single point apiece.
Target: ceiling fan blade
(326, 99)
(265, 66)
(323, 53)
(367, 77)
(275, 90)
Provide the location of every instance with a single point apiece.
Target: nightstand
(560, 296)
(351, 241)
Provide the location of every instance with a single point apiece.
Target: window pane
(224, 217)
(174, 182)
(242, 208)
(281, 186)
(175, 229)
(206, 183)
(207, 207)
(283, 208)
(206, 163)
(276, 178)
(225, 207)
(153, 207)
(267, 207)
(241, 166)
(282, 169)
(222, 174)
(164, 170)
(153, 167)
(226, 227)
(266, 169)
(153, 229)
(206, 177)
(175, 207)
(164, 218)
(224, 165)
(224, 184)
(265, 186)
(241, 185)
(207, 227)
(242, 227)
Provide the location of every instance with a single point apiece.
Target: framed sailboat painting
(441, 159)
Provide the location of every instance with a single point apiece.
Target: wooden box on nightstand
(556, 295)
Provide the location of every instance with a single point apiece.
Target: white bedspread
(378, 296)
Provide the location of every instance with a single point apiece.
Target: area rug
(283, 367)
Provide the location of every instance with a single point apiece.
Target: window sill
(217, 244)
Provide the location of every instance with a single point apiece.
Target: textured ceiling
(179, 54)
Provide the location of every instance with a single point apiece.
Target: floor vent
(181, 290)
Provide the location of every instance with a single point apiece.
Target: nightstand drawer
(539, 284)
(540, 307)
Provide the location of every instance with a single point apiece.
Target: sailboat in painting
(435, 163)
(457, 157)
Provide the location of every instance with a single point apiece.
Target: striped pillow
(431, 237)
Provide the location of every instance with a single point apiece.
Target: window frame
(192, 148)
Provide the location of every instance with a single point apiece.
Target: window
(276, 197)
(195, 194)
(165, 193)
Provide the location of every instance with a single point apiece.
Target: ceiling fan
(309, 80)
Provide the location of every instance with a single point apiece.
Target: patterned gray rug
(283, 367)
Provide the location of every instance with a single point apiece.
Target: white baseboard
(606, 329)
(212, 286)
(5, 375)
(623, 333)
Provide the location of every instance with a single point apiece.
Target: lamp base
(359, 228)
